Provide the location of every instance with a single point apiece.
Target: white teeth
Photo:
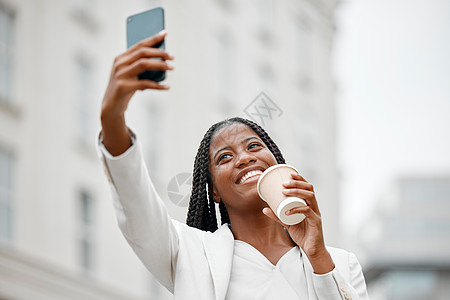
(250, 174)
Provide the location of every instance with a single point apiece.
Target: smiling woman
(216, 154)
(252, 255)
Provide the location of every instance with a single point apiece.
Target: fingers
(306, 210)
(299, 187)
(140, 53)
(130, 86)
(146, 44)
(148, 84)
(299, 181)
(142, 57)
(150, 41)
(269, 212)
(308, 196)
(142, 65)
(310, 215)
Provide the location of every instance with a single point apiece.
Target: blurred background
(355, 93)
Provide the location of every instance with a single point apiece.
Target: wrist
(316, 253)
(110, 115)
(116, 136)
(321, 261)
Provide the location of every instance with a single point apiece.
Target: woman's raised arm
(123, 83)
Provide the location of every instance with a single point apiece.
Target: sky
(392, 70)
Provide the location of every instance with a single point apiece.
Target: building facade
(407, 241)
(265, 60)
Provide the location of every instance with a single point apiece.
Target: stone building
(266, 60)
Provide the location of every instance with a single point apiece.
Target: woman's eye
(254, 145)
(223, 156)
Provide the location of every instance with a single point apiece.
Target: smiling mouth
(249, 175)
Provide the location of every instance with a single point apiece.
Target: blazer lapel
(219, 252)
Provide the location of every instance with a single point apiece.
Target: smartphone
(142, 26)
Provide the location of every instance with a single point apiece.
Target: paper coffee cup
(270, 187)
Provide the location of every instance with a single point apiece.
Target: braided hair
(202, 210)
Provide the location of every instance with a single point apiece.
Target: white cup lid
(288, 204)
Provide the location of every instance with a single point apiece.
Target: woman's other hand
(308, 234)
(123, 83)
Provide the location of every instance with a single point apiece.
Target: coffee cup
(270, 187)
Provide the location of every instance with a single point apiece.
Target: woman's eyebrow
(217, 152)
(250, 138)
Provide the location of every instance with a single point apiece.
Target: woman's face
(237, 158)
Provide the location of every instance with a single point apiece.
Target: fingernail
(286, 183)
(162, 32)
(170, 66)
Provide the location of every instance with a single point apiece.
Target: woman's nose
(244, 158)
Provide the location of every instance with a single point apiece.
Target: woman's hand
(123, 83)
(308, 234)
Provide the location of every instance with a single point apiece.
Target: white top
(253, 276)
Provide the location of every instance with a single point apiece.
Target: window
(84, 6)
(225, 4)
(266, 78)
(302, 56)
(223, 77)
(154, 118)
(6, 53)
(265, 20)
(6, 168)
(427, 191)
(85, 11)
(266, 13)
(411, 283)
(83, 96)
(86, 231)
(306, 134)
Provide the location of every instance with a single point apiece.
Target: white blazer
(191, 263)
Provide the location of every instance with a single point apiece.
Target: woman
(252, 255)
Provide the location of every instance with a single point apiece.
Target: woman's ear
(213, 192)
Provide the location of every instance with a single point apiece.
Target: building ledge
(374, 270)
(24, 277)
